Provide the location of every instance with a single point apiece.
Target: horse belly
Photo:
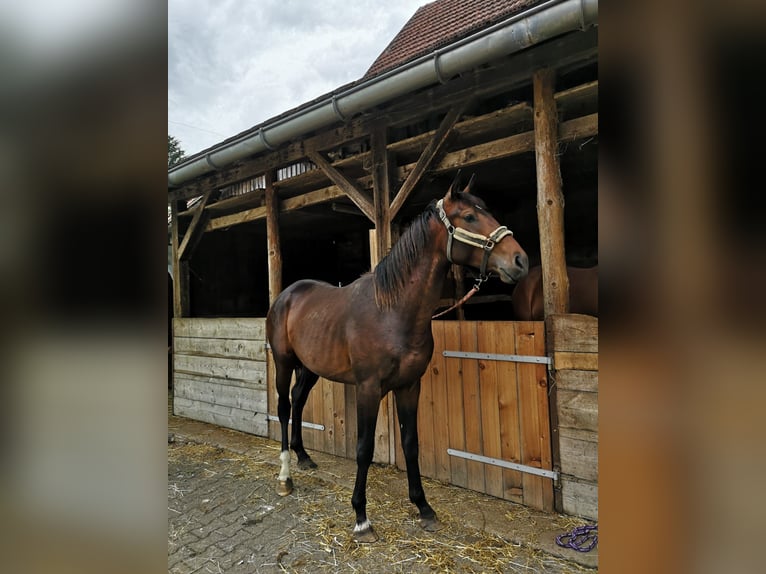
(320, 346)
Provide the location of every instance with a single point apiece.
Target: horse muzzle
(515, 270)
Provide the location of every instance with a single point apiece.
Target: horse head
(476, 239)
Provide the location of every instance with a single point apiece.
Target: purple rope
(582, 538)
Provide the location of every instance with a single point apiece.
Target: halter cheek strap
(474, 239)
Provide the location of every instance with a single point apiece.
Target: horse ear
(469, 187)
(455, 187)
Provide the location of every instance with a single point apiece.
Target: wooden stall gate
(483, 423)
(219, 370)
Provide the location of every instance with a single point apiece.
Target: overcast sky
(235, 64)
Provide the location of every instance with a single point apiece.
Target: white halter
(473, 239)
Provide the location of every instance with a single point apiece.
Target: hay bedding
(320, 538)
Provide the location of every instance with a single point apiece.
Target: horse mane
(393, 272)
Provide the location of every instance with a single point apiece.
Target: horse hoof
(430, 524)
(366, 536)
(306, 463)
(284, 487)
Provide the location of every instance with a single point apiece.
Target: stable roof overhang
(522, 30)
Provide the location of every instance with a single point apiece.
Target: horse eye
(469, 217)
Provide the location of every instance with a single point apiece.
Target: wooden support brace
(196, 228)
(351, 189)
(431, 151)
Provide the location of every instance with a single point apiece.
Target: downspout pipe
(518, 32)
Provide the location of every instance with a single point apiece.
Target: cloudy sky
(234, 64)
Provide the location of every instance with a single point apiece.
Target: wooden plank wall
(219, 372)
(497, 409)
(573, 341)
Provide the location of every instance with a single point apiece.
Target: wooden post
(550, 199)
(180, 268)
(459, 274)
(272, 238)
(381, 189)
(380, 245)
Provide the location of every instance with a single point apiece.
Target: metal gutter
(539, 23)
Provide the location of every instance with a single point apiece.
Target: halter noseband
(472, 239)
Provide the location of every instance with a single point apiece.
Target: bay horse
(527, 297)
(375, 333)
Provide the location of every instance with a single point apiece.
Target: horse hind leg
(306, 380)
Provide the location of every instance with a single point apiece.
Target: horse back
(583, 290)
(527, 298)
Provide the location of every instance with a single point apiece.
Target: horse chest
(410, 364)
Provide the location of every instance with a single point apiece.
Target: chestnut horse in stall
(527, 298)
(375, 333)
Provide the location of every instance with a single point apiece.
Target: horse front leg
(407, 409)
(284, 372)
(305, 382)
(368, 402)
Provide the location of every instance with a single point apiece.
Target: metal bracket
(303, 424)
(504, 463)
(495, 357)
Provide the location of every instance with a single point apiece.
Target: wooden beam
(195, 229)
(311, 198)
(236, 218)
(350, 188)
(574, 129)
(180, 269)
(272, 238)
(550, 199)
(433, 149)
(238, 201)
(513, 145)
(381, 188)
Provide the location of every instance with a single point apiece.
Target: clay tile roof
(440, 23)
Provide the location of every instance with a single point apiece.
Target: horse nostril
(522, 261)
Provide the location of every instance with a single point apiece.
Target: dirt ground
(224, 516)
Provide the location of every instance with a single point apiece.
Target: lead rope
(466, 297)
(581, 538)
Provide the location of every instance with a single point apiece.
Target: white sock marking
(363, 526)
(284, 472)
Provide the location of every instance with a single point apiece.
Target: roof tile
(440, 23)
